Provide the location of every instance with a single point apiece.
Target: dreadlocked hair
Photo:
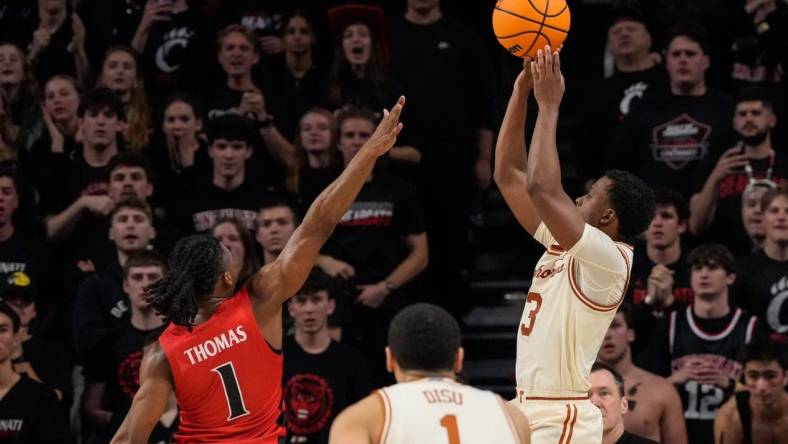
(195, 264)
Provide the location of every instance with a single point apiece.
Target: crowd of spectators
(128, 124)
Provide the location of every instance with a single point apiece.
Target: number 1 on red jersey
(232, 391)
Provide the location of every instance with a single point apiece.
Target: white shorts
(568, 420)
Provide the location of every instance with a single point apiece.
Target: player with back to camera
(427, 405)
(581, 279)
(221, 352)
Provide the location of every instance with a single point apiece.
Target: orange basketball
(525, 26)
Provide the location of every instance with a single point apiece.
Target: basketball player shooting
(221, 350)
(581, 279)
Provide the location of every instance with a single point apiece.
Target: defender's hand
(386, 133)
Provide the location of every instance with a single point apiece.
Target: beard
(755, 139)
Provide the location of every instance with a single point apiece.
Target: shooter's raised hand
(548, 80)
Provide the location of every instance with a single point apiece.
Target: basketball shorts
(556, 420)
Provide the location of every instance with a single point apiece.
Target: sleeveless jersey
(745, 416)
(439, 410)
(572, 300)
(227, 378)
(688, 341)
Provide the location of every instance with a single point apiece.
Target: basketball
(525, 26)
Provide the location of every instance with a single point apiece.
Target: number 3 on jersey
(535, 299)
(232, 391)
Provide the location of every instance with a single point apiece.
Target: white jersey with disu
(438, 410)
(572, 300)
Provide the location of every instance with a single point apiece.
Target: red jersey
(227, 378)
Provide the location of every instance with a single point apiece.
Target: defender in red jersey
(220, 353)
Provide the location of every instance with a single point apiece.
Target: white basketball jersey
(572, 300)
(438, 411)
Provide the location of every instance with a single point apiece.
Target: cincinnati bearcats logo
(309, 403)
(129, 374)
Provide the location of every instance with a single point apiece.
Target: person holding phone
(715, 208)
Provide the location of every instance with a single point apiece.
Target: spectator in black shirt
(174, 42)
(297, 78)
(28, 408)
(20, 249)
(179, 156)
(358, 72)
(37, 356)
(130, 178)
(607, 393)
(232, 192)
(113, 382)
(379, 246)
(716, 205)
(660, 278)
(17, 21)
(696, 347)
(121, 73)
(763, 283)
(637, 73)
(239, 95)
(318, 160)
(74, 200)
(321, 376)
(100, 304)
(61, 122)
(58, 44)
(450, 120)
(666, 137)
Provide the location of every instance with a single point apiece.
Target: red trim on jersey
(585, 299)
(571, 413)
(572, 425)
(566, 422)
(557, 248)
(384, 432)
(549, 253)
(710, 336)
